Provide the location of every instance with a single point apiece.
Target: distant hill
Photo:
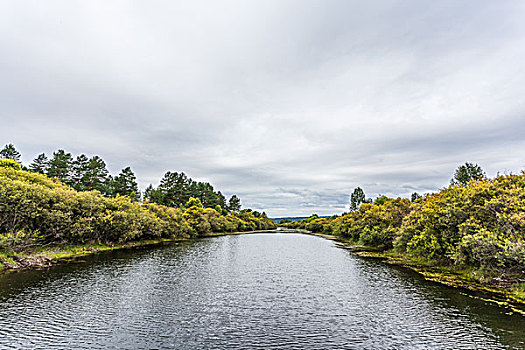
(292, 218)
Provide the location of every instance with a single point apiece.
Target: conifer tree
(97, 175)
(60, 166)
(9, 152)
(125, 184)
(79, 178)
(40, 164)
(467, 172)
(234, 204)
(358, 197)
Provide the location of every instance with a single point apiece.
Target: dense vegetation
(87, 174)
(479, 224)
(37, 210)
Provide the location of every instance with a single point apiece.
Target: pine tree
(40, 164)
(60, 166)
(147, 193)
(97, 175)
(9, 152)
(467, 172)
(79, 178)
(220, 200)
(125, 184)
(174, 189)
(356, 198)
(234, 204)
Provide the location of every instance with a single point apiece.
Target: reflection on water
(279, 291)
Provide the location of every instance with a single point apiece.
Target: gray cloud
(289, 104)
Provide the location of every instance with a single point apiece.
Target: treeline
(475, 222)
(36, 210)
(85, 173)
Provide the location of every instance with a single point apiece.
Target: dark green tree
(356, 198)
(234, 204)
(40, 164)
(220, 200)
(208, 196)
(79, 173)
(9, 152)
(125, 184)
(415, 196)
(97, 175)
(466, 173)
(173, 190)
(153, 195)
(146, 195)
(60, 166)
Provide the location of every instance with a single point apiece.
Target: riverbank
(47, 256)
(495, 290)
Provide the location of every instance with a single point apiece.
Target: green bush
(10, 163)
(35, 209)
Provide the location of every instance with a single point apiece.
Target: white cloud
(290, 104)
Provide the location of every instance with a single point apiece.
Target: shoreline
(48, 256)
(439, 274)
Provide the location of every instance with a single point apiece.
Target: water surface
(258, 291)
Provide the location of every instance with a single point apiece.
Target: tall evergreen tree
(153, 195)
(174, 189)
(40, 164)
(466, 173)
(125, 184)
(97, 175)
(9, 152)
(79, 178)
(358, 197)
(234, 204)
(109, 186)
(60, 166)
(147, 193)
(206, 194)
(221, 200)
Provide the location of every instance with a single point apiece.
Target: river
(253, 291)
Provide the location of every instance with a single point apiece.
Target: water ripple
(279, 291)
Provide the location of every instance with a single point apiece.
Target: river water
(255, 291)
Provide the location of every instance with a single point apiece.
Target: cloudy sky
(289, 104)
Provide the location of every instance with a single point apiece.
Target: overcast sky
(289, 104)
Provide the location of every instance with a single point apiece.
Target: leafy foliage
(40, 164)
(9, 152)
(480, 224)
(60, 166)
(36, 209)
(176, 189)
(357, 198)
(466, 173)
(10, 163)
(234, 204)
(125, 184)
(87, 174)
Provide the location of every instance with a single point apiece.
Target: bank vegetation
(475, 229)
(37, 210)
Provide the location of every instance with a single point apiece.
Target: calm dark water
(260, 291)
